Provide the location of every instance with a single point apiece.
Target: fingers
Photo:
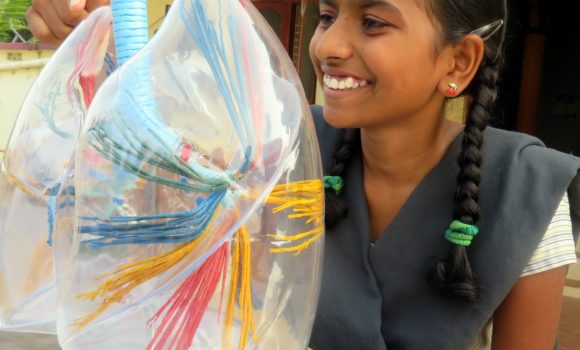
(92, 5)
(70, 13)
(40, 29)
(51, 21)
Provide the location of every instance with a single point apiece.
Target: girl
(403, 266)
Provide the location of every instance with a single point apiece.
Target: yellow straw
(13, 180)
(240, 280)
(41, 268)
(306, 200)
(247, 316)
(229, 318)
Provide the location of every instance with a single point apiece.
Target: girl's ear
(465, 57)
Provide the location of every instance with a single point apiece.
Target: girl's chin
(340, 118)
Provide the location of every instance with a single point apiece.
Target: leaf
(13, 17)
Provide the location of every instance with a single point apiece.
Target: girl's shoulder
(505, 143)
(526, 158)
(529, 178)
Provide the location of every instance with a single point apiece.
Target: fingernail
(73, 3)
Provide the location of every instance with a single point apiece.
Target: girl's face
(377, 61)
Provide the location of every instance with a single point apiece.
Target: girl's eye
(325, 20)
(370, 23)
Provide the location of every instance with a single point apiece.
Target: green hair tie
(334, 182)
(459, 226)
(461, 233)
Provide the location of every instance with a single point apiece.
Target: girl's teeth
(348, 83)
(333, 84)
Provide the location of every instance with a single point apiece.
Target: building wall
(15, 82)
(156, 12)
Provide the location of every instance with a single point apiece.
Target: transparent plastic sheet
(199, 200)
(37, 161)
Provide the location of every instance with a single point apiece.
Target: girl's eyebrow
(330, 3)
(379, 3)
(363, 4)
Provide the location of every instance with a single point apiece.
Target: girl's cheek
(312, 53)
(312, 46)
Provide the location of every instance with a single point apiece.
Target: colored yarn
(176, 227)
(306, 199)
(129, 276)
(31, 190)
(240, 281)
(193, 296)
(51, 202)
(184, 310)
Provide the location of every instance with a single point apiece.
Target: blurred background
(539, 91)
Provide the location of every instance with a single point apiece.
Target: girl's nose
(334, 43)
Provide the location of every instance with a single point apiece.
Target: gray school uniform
(377, 297)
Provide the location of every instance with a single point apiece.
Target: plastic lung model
(39, 159)
(199, 195)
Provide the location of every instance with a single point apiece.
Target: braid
(335, 208)
(454, 275)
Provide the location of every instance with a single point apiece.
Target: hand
(51, 21)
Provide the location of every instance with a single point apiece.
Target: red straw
(188, 304)
(87, 83)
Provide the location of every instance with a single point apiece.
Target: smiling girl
(440, 228)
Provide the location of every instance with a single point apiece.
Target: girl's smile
(343, 82)
(341, 86)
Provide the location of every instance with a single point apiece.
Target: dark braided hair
(454, 275)
(348, 145)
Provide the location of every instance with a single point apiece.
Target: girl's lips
(340, 73)
(330, 93)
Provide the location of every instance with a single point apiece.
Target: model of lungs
(198, 217)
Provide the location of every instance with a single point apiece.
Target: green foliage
(13, 18)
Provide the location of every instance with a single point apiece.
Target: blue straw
(178, 227)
